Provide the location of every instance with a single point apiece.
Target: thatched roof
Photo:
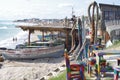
(45, 28)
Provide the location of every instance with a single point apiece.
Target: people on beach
(14, 39)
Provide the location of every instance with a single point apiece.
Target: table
(100, 53)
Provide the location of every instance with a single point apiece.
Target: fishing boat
(50, 49)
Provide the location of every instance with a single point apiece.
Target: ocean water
(8, 31)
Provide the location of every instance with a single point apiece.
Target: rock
(63, 65)
(50, 74)
(42, 78)
(56, 70)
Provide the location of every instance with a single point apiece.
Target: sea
(10, 35)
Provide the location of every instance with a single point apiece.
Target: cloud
(89, 1)
(65, 5)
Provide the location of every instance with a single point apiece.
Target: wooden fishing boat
(49, 50)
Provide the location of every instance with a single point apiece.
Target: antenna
(72, 11)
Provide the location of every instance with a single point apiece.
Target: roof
(108, 5)
(111, 5)
(43, 28)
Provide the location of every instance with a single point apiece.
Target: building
(111, 20)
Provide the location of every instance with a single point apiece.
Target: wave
(6, 22)
(24, 23)
(10, 44)
(4, 27)
(8, 29)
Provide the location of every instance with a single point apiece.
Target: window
(111, 15)
(117, 32)
(117, 15)
(106, 15)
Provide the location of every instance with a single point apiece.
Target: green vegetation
(61, 76)
(115, 45)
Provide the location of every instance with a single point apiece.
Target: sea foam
(9, 43)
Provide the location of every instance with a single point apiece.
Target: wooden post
(59, 34)
(93, 28)
(67, 35)
(29, 37)
(30, 31)
(52, 35)
(43, 35)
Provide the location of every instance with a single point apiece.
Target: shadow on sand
(41, 60)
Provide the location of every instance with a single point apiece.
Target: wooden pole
(67, 35)
(42, 35)
(52, 35)
(29, 38)
(93, 28)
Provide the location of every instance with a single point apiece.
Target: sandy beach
(38, 69)
(31, 69)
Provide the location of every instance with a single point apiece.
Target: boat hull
(53, 52)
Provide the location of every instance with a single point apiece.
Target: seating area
(93, 52)
(96, 63)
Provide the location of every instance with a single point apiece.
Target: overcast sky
(20, 9)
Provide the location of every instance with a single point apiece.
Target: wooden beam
(43, 35)
(29, 37)
(66, 43)
(30, 31)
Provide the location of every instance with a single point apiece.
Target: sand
(40, 69)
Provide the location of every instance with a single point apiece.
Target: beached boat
(51, 49)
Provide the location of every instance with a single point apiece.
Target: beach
(11, 35)
(39, 69)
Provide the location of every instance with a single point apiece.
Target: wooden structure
(48, 28)
(74, 71)
(93, 22)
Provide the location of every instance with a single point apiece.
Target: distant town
(37, 20)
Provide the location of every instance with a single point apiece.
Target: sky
(22, 9)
